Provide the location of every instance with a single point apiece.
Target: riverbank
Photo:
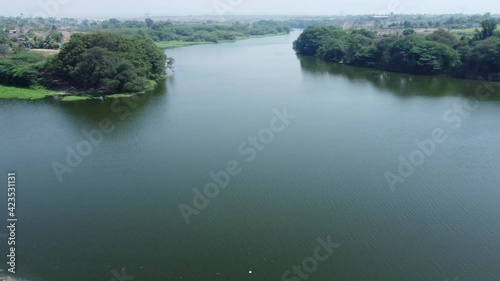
(8, 92)
(439, 53)
(177, 44)
(88, 97)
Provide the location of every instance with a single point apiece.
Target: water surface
(321, 176)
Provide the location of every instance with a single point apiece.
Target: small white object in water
(250, 272)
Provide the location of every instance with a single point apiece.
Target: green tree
(483, 59)
(313, 38)
(409, 32)
(4, 50)
(333, 51)
(442, 36)
(419, 56)
(149, 22)
(356, 51)
(97, 66)
(488, 28)
(22, 69)
(109, 62)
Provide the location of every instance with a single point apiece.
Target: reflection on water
(399, 84)
(93, 111)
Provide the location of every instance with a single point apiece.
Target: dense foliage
(438, 53)
(100, 62)
(109, 62)
(203, 32)
(52, 40)
(22, 69)
(6, 44)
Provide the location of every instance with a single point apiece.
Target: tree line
(192, 32)
(438, 53)
(44, 33)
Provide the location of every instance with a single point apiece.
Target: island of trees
(440, 52)
(99, 63)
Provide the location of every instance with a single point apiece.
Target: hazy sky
(137, 8)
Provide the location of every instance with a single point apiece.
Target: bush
(23, 69)
(4, 50)
(483, 59)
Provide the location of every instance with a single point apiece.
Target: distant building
(13, 31)
(380, 16)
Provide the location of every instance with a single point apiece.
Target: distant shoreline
(178, 44)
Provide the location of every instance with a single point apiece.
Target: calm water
(323, 175)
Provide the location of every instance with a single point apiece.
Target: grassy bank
(7, 92)
(90, 97)
(45, 52)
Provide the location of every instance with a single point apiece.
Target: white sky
(137, 8)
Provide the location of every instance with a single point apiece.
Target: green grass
(468, 31)
(90, 97)
(7, 92)
(117, 96)
(76, 98)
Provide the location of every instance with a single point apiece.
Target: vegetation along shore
(112, 59)
(85, 59)
(440, 52)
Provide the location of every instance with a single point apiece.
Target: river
(399, 172)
